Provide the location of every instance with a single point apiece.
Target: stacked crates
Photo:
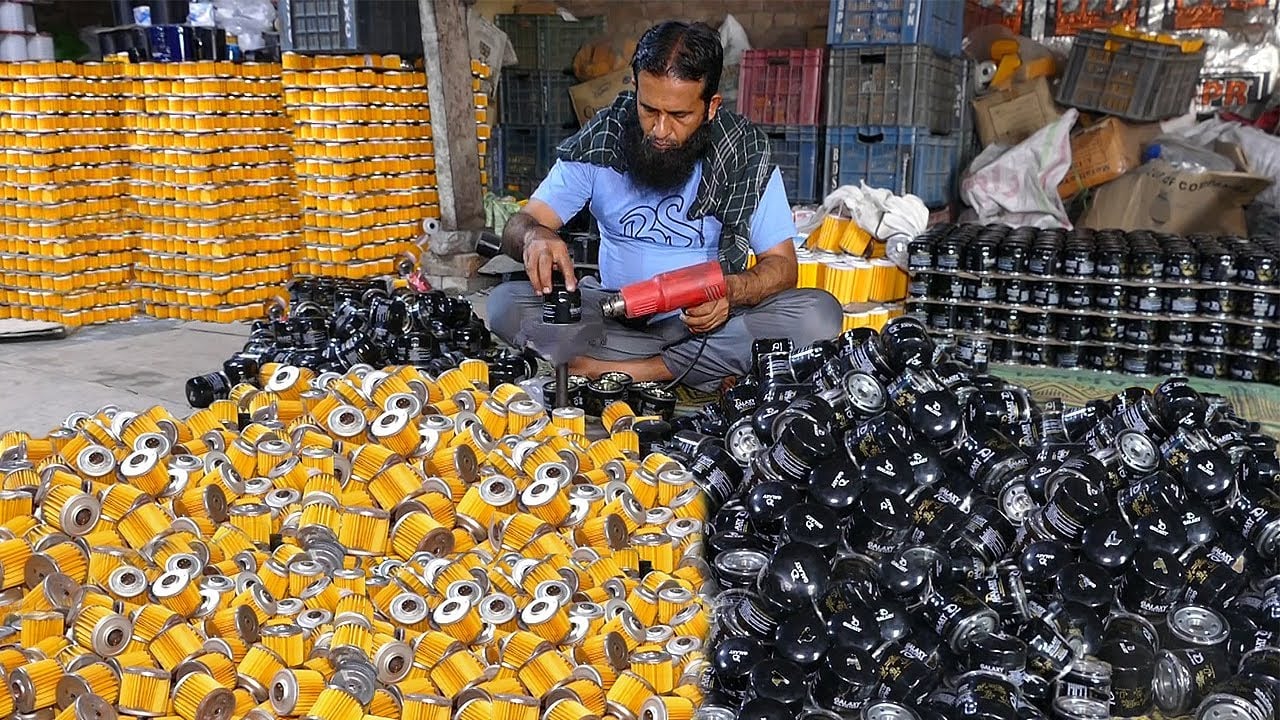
(781, 91)
(364, 161)
(534, 108)
(212, 187)
(66, 252)
(895, 97)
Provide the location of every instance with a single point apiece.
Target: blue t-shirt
(643, 232)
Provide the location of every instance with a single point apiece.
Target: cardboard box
(592, 96)
(1103, 152)
(1159, 196)
(1010, 116)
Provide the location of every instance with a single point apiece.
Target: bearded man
(673, 180)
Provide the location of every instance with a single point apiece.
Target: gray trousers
(803, 316)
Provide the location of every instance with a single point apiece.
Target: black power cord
(702, 345)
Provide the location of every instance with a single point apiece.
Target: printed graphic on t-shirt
(663, 225)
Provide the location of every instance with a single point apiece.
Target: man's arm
(775, 270)
(530, 237)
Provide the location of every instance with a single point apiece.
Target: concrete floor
(132, 365)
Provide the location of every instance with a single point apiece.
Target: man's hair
(685, 51)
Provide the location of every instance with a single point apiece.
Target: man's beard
(663, 170)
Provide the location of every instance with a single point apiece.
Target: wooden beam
(447, 58)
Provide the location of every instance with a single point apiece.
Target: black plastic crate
(906, 86)
(351, 26)
(1133, 79)
(528, 152)
(547, 42)
(536, 97)
(794, 149)
(936, 23)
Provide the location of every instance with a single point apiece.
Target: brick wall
(769, 23)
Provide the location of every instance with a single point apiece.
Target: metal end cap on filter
(393, 661)
(219, 704)
(169, 584)
(408, 609)
(138, 463)
(389, 423)
(93, 707)
(79, 515)
(887, 710)
(405, 403)
(284, 692)
(111, 635)
(1170, 684)
(346, 421)
(153, 442)
(127, 582)
(95, 461)
(359, 679)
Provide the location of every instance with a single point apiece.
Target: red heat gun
(664, 292)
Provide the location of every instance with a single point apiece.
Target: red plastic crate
(1067, 17)
(781, 87)
(1192, 15)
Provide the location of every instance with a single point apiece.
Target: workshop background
(261, 457)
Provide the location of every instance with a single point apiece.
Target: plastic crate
(908, 86)
(536, 97)
(351, 26)
(794, 149)
(936, 23)
(1130, 78)
(546, 42)
(527, 154)
(781, 87)
(903, 160)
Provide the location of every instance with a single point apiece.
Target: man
(673, 180)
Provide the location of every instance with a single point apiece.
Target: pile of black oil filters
(898, 536)
(334, 323)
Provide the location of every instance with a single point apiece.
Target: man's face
(670, 133)
(671, 110)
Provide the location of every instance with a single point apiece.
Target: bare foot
(641, 370)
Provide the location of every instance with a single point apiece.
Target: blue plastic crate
(903, 160)
(794, 149)
(936, 23)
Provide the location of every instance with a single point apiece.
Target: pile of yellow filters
(212, 183)
(842, 258)
(65, 240)
(379, 544)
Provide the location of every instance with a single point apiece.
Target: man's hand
(544, 251)
(708, 316)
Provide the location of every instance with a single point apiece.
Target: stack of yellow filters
(843, 259)
(212, 182)
(482, 84)
(363, 157)
(65, 246)
(365, 548)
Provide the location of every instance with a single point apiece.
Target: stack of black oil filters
(1138, 302)
(898, 536)
(335, 323)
